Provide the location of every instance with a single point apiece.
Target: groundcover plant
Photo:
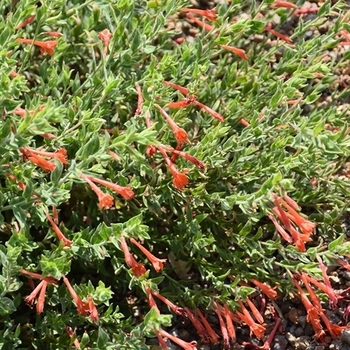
(168, 166)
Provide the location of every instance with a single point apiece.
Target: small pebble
(345, 336)
(299, 331)
(294, 315)
(346, 275)
(281, 343)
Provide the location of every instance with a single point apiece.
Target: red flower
(176, 309)
(214, 338)
(266, 289)
(230, 327)
(72, 334)
(61, 154)
(157, 263)
(126, 192)
(180, 179)
(257, 329)
(105, 36)
(21, 185)
(60, 235)
(285, 4)
(330, 291)
(179, 133)
(187, 156)
(140, 99)
(182, 89)
(42, 163)
(151, 301)
(138, 269)
(313, 313)
(151, 150)
(83, 307)
(279, 35)
(30, 298)
(105, 200)
(182, 343)
(38, 276)
(224, 331)
(48, 136)
(114, 156)
(46, 46)
(191, 100)
(161, 340)
(281, 230)
(206, 26)
(197, 324)
(41, 287)
(209, 14)
(30, 19)
(255, 311)
(238, 52)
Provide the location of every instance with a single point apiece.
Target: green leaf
(102, 338)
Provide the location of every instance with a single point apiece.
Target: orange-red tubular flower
(30, 19)
(157, 263)
(197, 324)
(209, 14)
(105, 36)
(31, 297)
(266, 289)
(185, 155)
(332, 296)
(206, 26)
(182, 89)
(21, 185)
(306, 226)
(283, 4)
(138, 269)
(257, 329)
(279, 35)
(46, 46)
(313, 313)
(151, 302)
(214, 338)
(281, 230)
(186, 346)
(224, 331)
(106, 201)
(61, 154)
(179, 133)
(214, 114)
(72, 334)
(161, 340)
(126, 192)
(38, 276)
(83, 307)
(41, 298)
(60, 235)
(176, 309)
(180, 179)
(255, 311)
(140, 99)
(42, 163)
(230, 327)
(239, 52)
(41, 287)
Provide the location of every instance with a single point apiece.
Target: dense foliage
(218, 149)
